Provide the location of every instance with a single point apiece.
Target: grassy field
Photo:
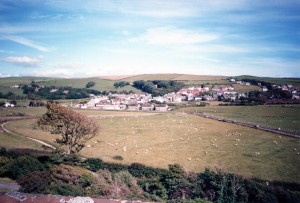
(100, 84)
(10, 141)
(194, 142)
(276, 116)
(245, 88)
(187, 79)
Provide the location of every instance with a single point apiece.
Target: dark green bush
(154, 187)
(94, 164)
(23, 165)
(66, 189)
(117, 157)
(140, 170)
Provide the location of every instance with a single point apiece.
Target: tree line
(158, 87)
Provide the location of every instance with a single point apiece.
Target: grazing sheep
(189, 159)
(235, 144)
(205, 152)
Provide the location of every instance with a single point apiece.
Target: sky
(91, 38)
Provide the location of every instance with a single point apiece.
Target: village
(147, 102)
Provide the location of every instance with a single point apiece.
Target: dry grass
(192, 141)
(10, 141)
(245, 88)
(118, 77)
(276, 116)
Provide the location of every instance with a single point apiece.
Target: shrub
(22, 165)
(114, 168)
(140, 170)
(94, 164)
(86, 180)
(4, 165)
(117, 157)
(67, 174)
(65, 189)
(154, 187)
(34, 182)
(126, 178)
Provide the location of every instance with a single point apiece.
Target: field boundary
(250, 125)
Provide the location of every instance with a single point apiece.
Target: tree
(75, 129)
(90, 84)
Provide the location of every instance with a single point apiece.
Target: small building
(264, 89)
(15, 86)
(7, 104)
(134, 107)
(53, 90)
(111, 107)
(147, 107)
(161, 107)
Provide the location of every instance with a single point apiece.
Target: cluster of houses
(143, 102)
(131, 102)
(147, 102)
(290, 88)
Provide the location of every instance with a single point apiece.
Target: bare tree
(75, 129)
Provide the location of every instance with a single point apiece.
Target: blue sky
(87, 38)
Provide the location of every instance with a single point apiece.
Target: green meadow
(192, 141)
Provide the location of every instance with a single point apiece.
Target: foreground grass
(161, 139)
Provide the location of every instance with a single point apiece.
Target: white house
(147, 107)
(161, 107)
(7, 104)
(134, 107)
(264, 89)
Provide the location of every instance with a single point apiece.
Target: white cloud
(21, 61)
(3, 75)
(26, 42)
(58, 72)
(172, 35)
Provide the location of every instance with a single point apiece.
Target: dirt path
(36, 140)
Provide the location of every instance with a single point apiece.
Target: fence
(282, 131)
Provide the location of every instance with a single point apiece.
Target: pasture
(194, 142)
(276, 116)
(187, 79)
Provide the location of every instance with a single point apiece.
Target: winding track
(36, 140)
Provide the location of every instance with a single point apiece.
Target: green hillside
(294, 81)
(107, 84)
(187, 79)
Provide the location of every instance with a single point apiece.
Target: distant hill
(294, 81)
(106, 83)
